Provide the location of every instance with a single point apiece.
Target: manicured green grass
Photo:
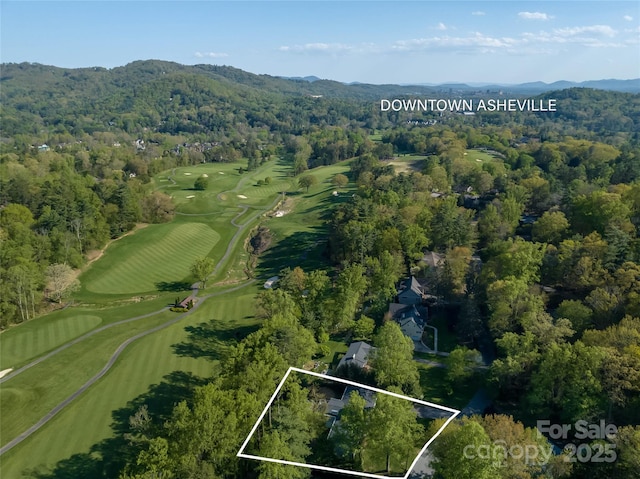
(157, 254)
(337, 350)
(33, 338)
(25, 342)
(474, 155)
(29, 396)
(434, 387)
(191, 346)
(299, 237)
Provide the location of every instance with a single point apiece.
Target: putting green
(34, 338)
(157, 254)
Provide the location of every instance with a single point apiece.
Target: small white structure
(271, 281)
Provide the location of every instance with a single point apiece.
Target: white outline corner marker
(454, 412)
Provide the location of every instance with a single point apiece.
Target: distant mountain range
(628, 86)
(191, 99)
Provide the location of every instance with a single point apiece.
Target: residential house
(411, 319)
(335, 406)
(411, 323)
(410, 292)
(357, 354)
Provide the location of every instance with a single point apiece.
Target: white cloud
(475, 42)
(319, 48)
(605, 30)
(588, 36)
(628, 18)
(535, 16)
(211, 55)
(478, 13)
(547, 42)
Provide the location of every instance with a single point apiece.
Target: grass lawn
(434, 387)
(337, 348)
(31, 339)
(299, 237)
(407, 163)
(28, 397)
(474, 155)
(154, 255)
(447, 340)
(190, 347)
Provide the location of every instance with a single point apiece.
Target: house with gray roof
(335, 405)
(411, 323)
(357, 354)
(411, 319)
(410, 292)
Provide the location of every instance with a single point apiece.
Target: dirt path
(97, 254)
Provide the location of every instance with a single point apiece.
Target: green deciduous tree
(393, 362)
(202, 268)
(566, 383)
(551, 227)
(347, 297)
(351, 433)
(201, 183)
(340, 180)
(393, 431)
(450, 446)
(307, 181)
(460, 364)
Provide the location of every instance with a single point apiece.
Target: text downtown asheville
(468, 105)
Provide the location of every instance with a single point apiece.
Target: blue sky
(365, 41)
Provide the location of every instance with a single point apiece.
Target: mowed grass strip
(156, 254)
(29, 396)
(474, 154)
(88, 420)
(32, 339)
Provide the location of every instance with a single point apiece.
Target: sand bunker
(4, 372)
(478, 159)
(221, 172)
(204, 175)
(191, 196)
(242, 197)
(188, 174)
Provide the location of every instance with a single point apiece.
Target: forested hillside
(535, 217)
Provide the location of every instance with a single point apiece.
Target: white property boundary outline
(454, 412)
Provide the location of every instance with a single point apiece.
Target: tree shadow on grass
(175, 286)
(211, 340)
(107, 458)
(303, 248)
